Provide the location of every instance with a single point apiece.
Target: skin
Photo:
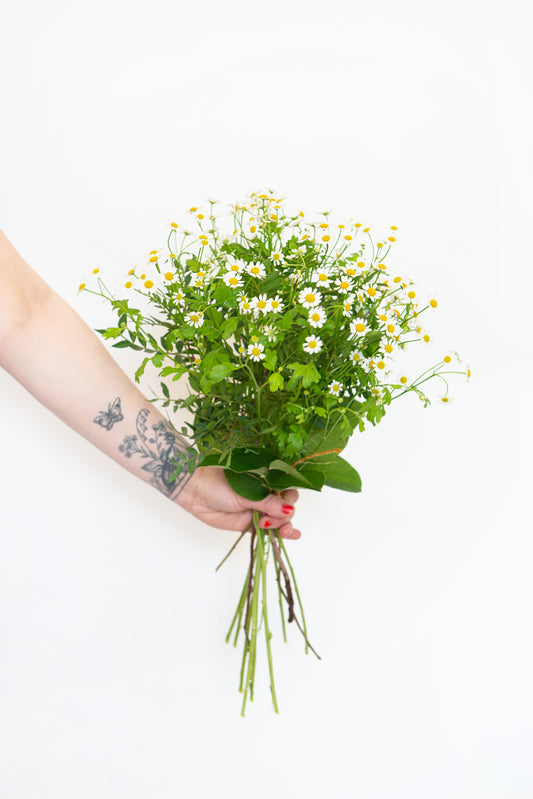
(48, 348)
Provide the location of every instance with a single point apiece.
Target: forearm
(62, 363)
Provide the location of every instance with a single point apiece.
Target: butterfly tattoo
(113, 414)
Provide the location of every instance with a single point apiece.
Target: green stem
(261, 535)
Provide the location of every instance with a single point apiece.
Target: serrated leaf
(276, 381)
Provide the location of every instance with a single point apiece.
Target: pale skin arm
(48, 348)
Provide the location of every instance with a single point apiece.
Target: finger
(290, 532)
(290, 496)
(274, 506)
(285, 530)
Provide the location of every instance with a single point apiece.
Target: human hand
(209, 497)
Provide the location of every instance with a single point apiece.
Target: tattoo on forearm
(113, 414)
(168, 458)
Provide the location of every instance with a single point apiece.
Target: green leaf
(140, 371)
(122, 344)
(164, 389)
(282, 466)
(229, 326)
(243, 460)
(270, 360)
(221, 370)
(279, 480)
(314, 475)
(246, 485)
(342, 475)
(306, 372)
(275, 381)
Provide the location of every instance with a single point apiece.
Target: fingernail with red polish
(287, 508)
(267, 524)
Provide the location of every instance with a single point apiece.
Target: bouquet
(284, 334)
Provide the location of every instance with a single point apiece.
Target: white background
(114, 676)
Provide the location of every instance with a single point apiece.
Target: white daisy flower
(232, 279)
(178, 297)
(391, 328)
(347, 305)
(356, 357)
(317, 317)
(322, 277)
(352, 270)
(344, 285)
(297, 252)
(312, 344)
(275, 304)
(256, 270)
(260, 303)
(236, 266)
(276, 257)
(371, 292)
(309, 297)
(245, 306)
(335, 388)
(270, 333)
(358, 327)
(378, 393)
(195, 318)
(256, 351)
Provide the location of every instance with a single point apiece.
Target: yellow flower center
(234, 281)
(426, 338)
(447, 359)
(195, 317)
(360, 327)
(335, 387)
(372, 291)
(433, 303)
(255, 270)
(253, 229)
(326, 238)
(274, 303)
(256, 351)
(388, 348)
(344, 284)
(153, 259)
(81, 286)
(348, 237)
(234, 268)
(391, 238)
(391, 328)
(169, 276)
(149, 284)
(397, 279)
(380, 364)
(403, 379)
(174, 225)
(261, 304)
(445, 399)
(315, 317)
(411, 295)
(128, 284)
(361, 264)
(276, 256)
(312, 344)
(309, 297)
(324, 224)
